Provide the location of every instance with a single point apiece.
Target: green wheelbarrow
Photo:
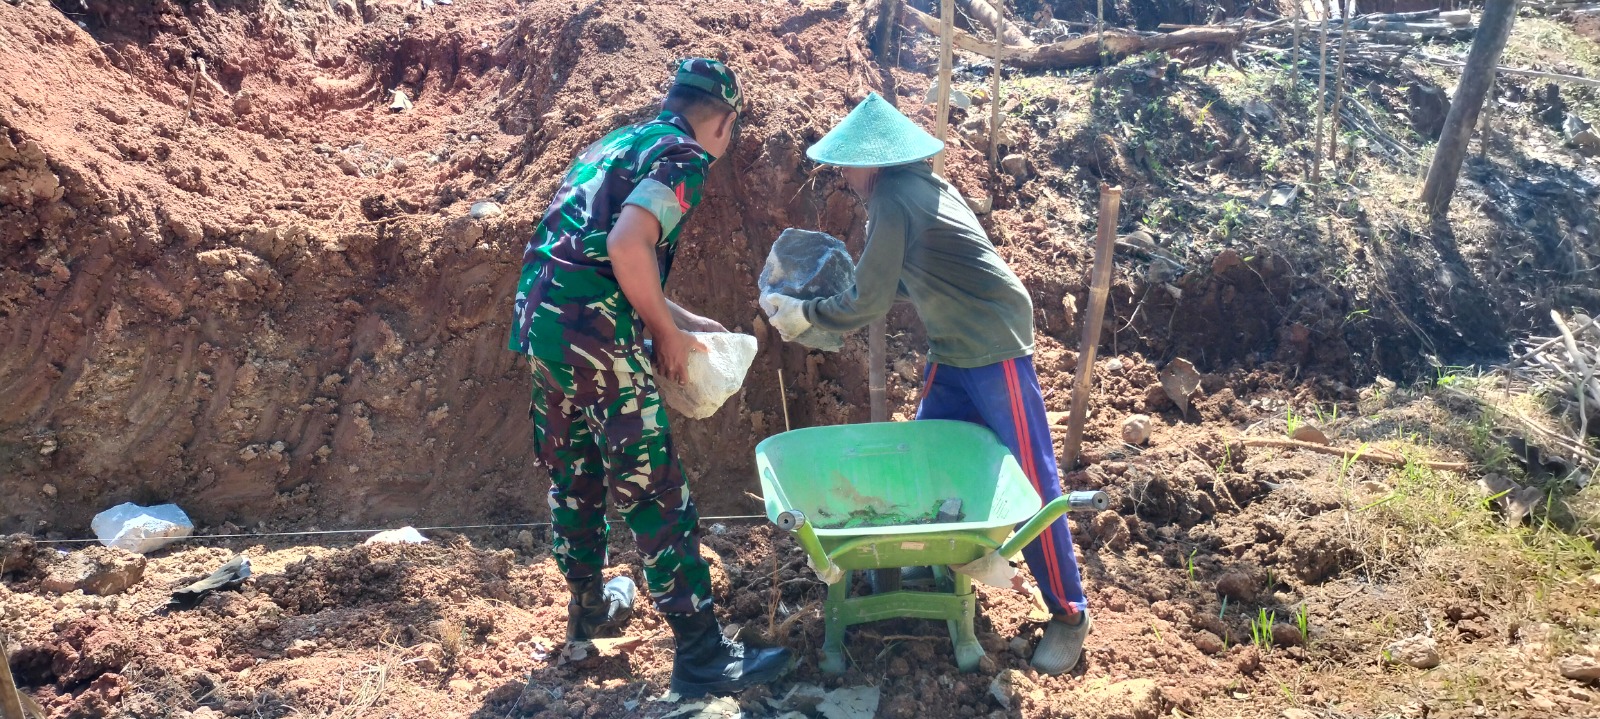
(886, 495)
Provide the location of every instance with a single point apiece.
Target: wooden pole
(1100, 27)
(1338, 88)
(1294, 51)
(1494, 28)
(1487, 117)
(10, 698)
(941, 109)
(1099, 289)
(1322, 95)
(877, 354)
(994, 93)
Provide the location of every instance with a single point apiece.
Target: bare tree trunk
(1322, 95)
(1494, 28)
(994, 16)
(941, 107)
(1338, 86)
(886, 28)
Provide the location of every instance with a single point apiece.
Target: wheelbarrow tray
(894, 476)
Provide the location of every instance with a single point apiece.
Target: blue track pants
(1005, 398)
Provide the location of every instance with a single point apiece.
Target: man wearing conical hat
(591, 285)
(925, 245)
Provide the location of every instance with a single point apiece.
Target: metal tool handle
(1087, 501)
(793, 520)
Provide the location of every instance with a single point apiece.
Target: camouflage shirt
(569, 307)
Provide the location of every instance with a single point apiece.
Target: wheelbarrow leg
(968, 651)
(834, 626)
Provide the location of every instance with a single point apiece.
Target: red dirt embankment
(231, 277)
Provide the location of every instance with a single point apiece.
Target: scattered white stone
(714, 375)
(403, 535)
(1136, 429)
(1418, 651)
(398, 100)
(850, 703)
(1006, 685)
(485, 210)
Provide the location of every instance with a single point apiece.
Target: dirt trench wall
(257, 292)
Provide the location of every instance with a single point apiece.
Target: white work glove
(788, 315)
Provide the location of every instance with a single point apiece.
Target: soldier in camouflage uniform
(591, 286)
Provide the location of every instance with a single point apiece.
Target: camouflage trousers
(599, 430)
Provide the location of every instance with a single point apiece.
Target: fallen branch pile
(1399, 29)
(1567, 366)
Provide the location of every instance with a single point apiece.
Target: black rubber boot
(706, 662)
(594, 611)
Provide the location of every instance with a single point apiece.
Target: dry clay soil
(249, 287)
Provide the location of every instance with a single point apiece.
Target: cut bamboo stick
(1099, 289)
(941, 110)
(994, 94)
(1360, 453)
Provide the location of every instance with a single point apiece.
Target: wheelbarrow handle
(793, 520)
(1071, 502)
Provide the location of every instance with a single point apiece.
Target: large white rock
(141, 529)
(714, 376)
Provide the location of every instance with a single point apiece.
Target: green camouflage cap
(711, 76)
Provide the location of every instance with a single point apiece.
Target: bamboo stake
(941, 110)
(1294, 54)
(1483, 122)
(1360, 453)
(1322, 95)
(783, 397)
(1099, 288)
(877, 354)
(1338, 91)
(994, 99)
(1100, 27)
(10, 698)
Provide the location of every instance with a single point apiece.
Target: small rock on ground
(1418, 651)
(1310, 433)
(1007, 685)
(1579, 667)
(1136, 429)
(96, 570)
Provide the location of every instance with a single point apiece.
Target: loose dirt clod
(1239, 586)
(95, 570)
